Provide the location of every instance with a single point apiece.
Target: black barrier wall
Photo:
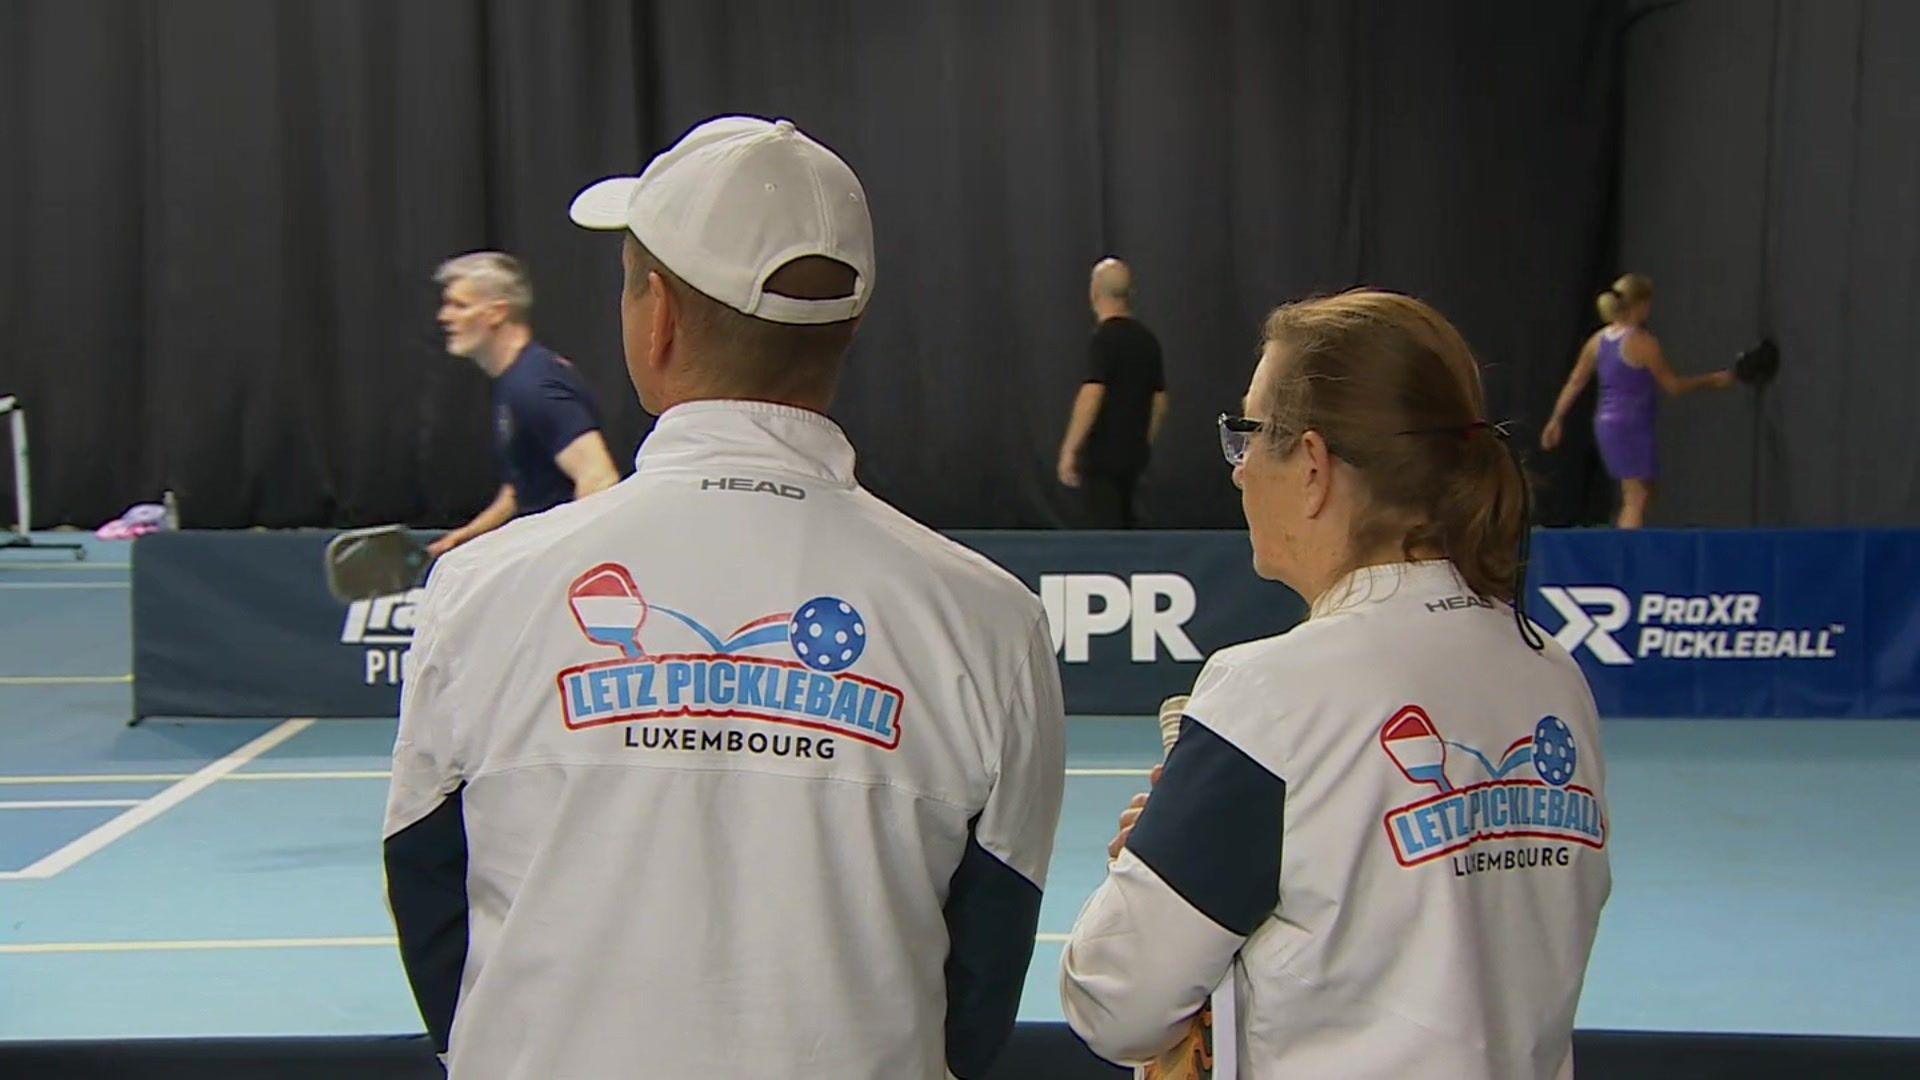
(1037, 1051)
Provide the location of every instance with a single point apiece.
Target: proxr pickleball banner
(1787, 623)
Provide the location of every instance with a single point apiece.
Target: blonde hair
(1629, 290)
(1395, 391)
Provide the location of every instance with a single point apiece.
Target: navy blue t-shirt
(540, 405)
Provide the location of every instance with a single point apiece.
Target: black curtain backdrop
(221, 216)
(1772, 186)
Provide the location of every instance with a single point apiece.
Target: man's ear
(665, 322)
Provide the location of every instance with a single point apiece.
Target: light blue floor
(1760, 884)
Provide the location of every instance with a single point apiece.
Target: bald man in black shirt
(1118, 412)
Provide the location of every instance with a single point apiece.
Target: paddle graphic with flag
(609, 608)
(1414, 744)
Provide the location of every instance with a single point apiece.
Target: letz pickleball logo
(1528, 792)
(790, 667)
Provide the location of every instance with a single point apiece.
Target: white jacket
(1388, 825)
(730, 770)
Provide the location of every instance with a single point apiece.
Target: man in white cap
(732, 770)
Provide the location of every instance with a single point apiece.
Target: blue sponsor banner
(1135, 614)
(1790, 623)
(1711, 624)
(241, 624)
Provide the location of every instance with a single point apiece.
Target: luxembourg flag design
(1414, 744)
(609, 608)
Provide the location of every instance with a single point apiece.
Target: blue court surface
(224, 878)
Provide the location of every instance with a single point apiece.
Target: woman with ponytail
(1633, 373)
(1390, 821)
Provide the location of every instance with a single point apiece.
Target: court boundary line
(43, 948)
(62, 680)
(345, 774)
(65, 804)
(207, 945)
(323, 774)
(97, 838)
(94, 778)
(66, 585)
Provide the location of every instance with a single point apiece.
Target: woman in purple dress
(1633, 373)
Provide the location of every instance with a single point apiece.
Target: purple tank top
(1626, 392)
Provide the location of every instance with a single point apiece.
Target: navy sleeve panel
(427, 888)
(992, 911)
(1212, 829)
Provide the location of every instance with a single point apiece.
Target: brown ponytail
(1396, 393)
(1478, 516)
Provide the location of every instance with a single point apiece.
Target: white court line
(61, 680)
(45, 947)
(337, 774)
(383, 774)
(64, 804)
(81, 564)
(64, 585)
(96, 778)
(53, 863)
(194, 946)
(164, 777)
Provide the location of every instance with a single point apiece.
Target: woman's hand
(1550, 435)
(1723, 380)
(1132, 814)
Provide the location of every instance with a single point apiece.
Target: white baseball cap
(736, 199)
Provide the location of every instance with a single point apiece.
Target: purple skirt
(1626, 446)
